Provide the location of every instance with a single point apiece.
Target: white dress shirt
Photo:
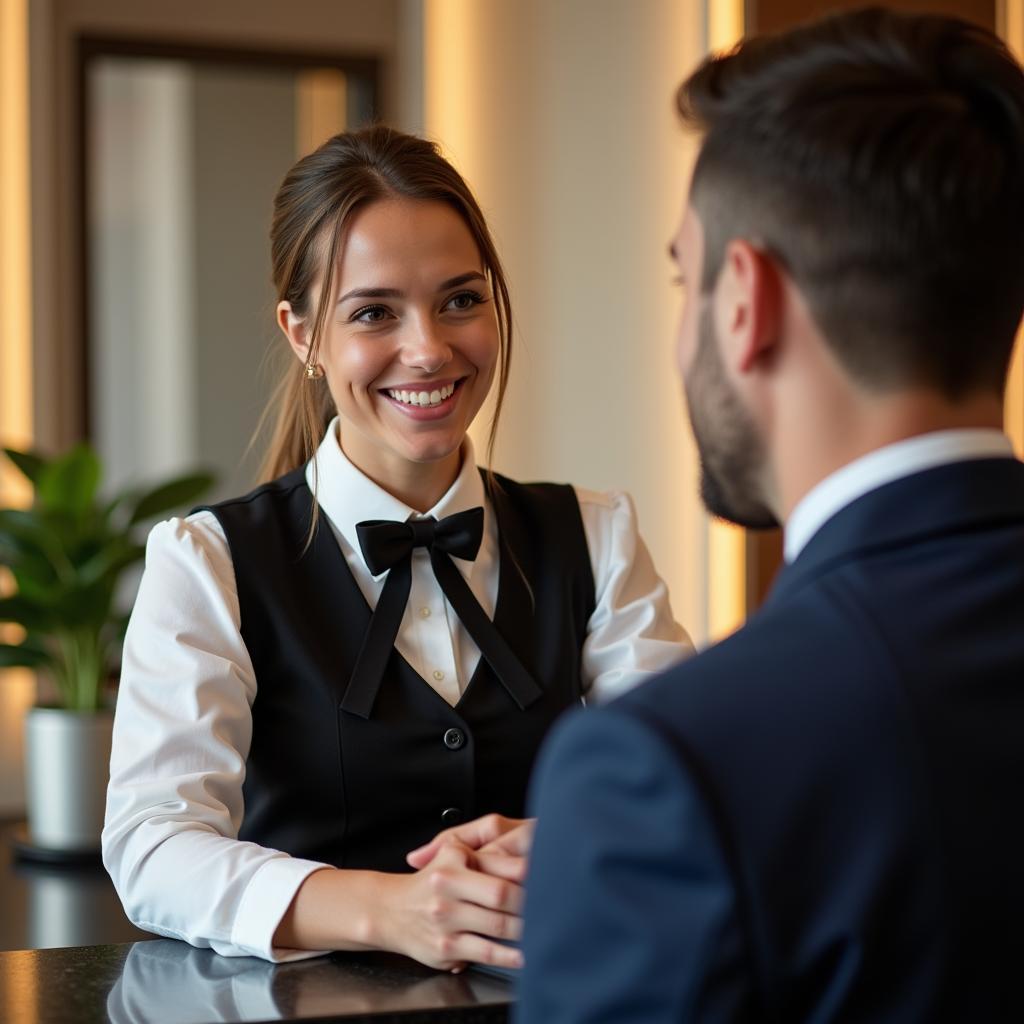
(183, 724)
(882, 466)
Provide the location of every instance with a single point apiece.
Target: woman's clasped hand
(465, 893)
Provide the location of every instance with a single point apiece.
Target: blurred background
(141, 143)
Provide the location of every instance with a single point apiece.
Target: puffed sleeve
(632, 634)
(631, 911)
(182, 730)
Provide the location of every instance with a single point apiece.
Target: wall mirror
(182, 151)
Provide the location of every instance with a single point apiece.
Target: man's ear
(747, 305)
(294, 329)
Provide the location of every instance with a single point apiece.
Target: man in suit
(819, 819)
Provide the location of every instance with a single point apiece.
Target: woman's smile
(426, 399)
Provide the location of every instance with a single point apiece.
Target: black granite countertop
(163, 981)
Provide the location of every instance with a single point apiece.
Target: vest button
(454, 738)
(451, 816)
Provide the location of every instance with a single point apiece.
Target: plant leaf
(30, 614)
(108, 562)
(109, 512)
(26, 543)
(68, 484)
(84, 607)
(24, 656)
(179, 491)
(30, 463)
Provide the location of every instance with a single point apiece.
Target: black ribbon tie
(387, 546)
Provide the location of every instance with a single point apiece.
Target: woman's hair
(313, 209)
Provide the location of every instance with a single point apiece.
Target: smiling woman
(328, 682)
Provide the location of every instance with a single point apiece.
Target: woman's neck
(420, 485)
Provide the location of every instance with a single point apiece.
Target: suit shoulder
(611, 746)
(788, 656)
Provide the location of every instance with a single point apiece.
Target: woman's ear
(294, 329)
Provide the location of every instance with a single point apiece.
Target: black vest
(329, 786)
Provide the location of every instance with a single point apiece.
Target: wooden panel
(774, 15)
(764, 559)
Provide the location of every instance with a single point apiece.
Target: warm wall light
(451, 83)
(725, 21)
(16, 689)
(15, 284)
(321, 102)
(727, 561)
(1010, 21)
(451, 44)
(1015, 398)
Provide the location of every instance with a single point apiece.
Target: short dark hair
(880, 158)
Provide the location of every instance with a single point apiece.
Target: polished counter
(163, 981)
(67, 956)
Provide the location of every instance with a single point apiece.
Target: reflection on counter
(65, 906)
(163, 981)
(45, 905)
(203, 987)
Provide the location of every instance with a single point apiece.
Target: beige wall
(560, 114)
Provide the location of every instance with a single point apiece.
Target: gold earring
(314, 371)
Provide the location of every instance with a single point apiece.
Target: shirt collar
(347, 496)
(882, 466)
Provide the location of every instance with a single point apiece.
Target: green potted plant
(66, 556)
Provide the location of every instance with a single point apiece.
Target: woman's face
(410, 345)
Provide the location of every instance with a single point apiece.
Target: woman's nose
(425, 347)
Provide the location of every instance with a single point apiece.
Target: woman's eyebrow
(371, 293)
(454, 282)
(395, 293)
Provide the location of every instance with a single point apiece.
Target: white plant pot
(67, 765)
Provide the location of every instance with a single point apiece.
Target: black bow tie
(384, 542)
(388, 546)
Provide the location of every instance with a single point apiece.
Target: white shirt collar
(882, 466)
(348, 496)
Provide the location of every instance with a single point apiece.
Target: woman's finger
(454, 878)
(480, 950)
(501, 865)
(492, 924)
(474, 834)
(515, 841)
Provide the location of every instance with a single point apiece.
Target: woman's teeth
(423, 397)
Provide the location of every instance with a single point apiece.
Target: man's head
(861, 178)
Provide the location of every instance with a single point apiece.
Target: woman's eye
(464, 301)
(370, 315)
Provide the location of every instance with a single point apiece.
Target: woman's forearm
(334, 908)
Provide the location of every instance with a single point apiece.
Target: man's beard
(732, 455)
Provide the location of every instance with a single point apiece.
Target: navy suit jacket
(821, 818)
